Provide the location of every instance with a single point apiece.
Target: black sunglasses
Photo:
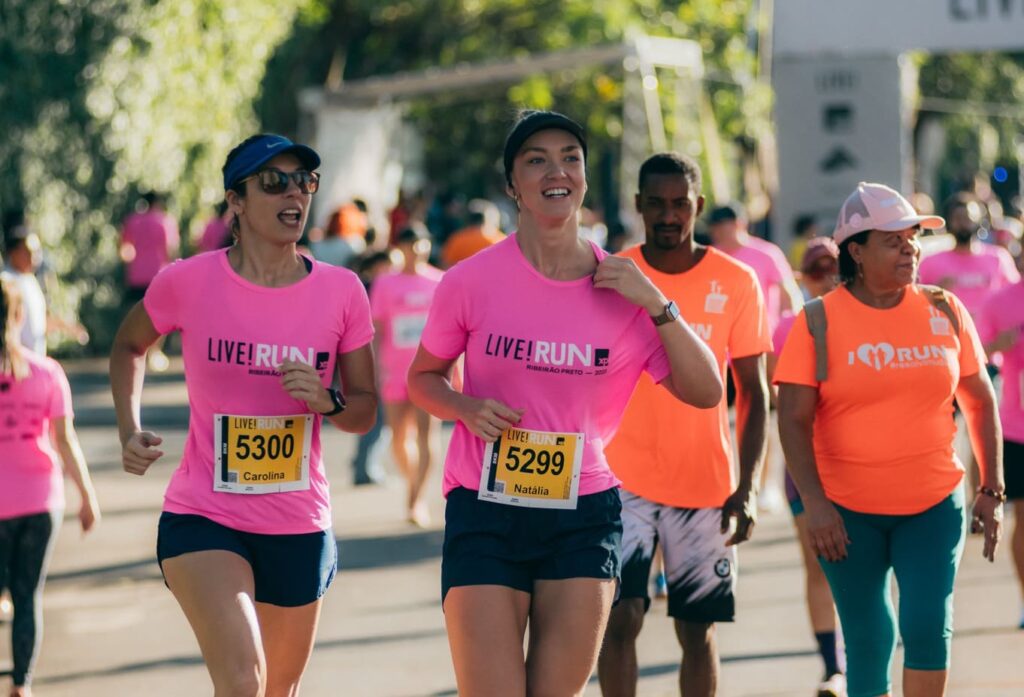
(274, 181)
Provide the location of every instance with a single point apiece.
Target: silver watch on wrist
(669, 314)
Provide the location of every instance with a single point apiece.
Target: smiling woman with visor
(245, 541)
(866, 422)
(555, 334)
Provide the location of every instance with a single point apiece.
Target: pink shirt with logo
(773, 272)
(400, 302)
(1004, 311)
(566, 352)
(971, 277)
(233, 334)
(31, 478)
(152, 234)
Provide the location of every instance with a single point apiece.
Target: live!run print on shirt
(263, 358)
(562, 357)
(883, 427)
(567, 354)
(234, 335)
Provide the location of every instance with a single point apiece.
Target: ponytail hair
(12, 360)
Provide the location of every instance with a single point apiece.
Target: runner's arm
(127, 370)
(430, 389)
(977, 400)
(71, 455)
(751, 430)
(359, 385)
(792, 298)
(797, 406)
(694, 378)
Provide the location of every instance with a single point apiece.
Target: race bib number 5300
(261, 454)
(535, 469)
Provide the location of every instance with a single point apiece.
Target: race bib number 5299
(535, 469)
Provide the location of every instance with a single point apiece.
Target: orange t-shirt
(467, 242)
(670, 452)
(883, 428)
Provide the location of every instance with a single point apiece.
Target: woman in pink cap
(866, 382)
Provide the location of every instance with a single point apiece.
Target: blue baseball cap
(258, 150)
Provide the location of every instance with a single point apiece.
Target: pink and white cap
(877, 207)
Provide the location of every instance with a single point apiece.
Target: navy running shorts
(289, 570)
(488, 543)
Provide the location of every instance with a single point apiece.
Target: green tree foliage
(353, 39)
(105, 98)
(975, 83)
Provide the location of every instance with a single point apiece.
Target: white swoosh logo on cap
(273, 145)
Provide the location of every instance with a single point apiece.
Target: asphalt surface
(112, 628)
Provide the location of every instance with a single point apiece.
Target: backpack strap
(814, 312)
(938, 298)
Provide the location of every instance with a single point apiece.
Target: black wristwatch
(670, 314)
(339, 402)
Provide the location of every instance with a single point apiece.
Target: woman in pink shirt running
(555, 335)
(399, 303)
(36, 402)
(244, 540)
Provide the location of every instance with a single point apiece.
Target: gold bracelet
(992, 493)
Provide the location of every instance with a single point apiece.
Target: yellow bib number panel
(261, 454)
(535, 469)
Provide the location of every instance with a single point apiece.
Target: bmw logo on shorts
(723, 568)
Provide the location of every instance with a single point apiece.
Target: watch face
(672, 310)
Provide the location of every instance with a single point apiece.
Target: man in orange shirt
(481, 232)
(675, 461)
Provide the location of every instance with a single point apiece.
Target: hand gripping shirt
(566, 352)
(670, 452)
(234, 333)
(31, 478)
(883, 428)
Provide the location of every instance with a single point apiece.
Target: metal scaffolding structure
(643, 127)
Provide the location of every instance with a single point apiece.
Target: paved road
(113, 629)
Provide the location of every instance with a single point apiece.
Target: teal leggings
(924, 551)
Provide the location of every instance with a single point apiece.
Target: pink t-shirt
(782, 331)
(971, 277)
(31, 478)
(233, 333)
(215, 235)
(152, 235)
(567, 353)
(773, 271)
(400, 302)
(1005, 310)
